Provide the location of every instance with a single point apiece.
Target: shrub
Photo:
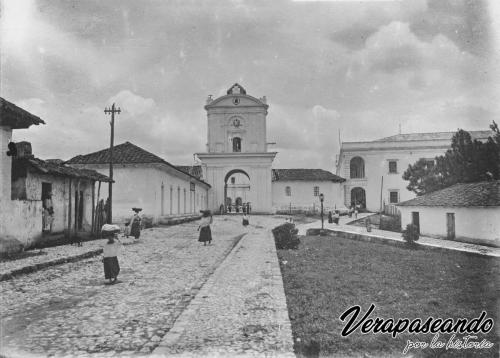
(411, 234)
(285, 237)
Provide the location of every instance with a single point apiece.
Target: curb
(33, 268)
(390, 241)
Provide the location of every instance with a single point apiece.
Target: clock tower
(237, 164)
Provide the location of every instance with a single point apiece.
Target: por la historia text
(375, 325)
(467, 342)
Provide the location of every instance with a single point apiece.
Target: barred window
(288, 191)
(316, 191)
(393, 166)
(393, 197)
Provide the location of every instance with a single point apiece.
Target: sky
(354, 70)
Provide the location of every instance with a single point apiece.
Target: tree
(466, 161)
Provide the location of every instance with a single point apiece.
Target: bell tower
(237, 143)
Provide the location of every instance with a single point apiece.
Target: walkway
(390, 236)
(241, 310)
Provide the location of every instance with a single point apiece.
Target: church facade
(237, 160)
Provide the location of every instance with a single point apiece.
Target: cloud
(312, 132)
(131, 103)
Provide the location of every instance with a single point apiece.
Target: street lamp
(321, 198)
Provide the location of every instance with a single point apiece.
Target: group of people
(334, 218)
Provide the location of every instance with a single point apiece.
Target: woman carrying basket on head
(204, 228)
(135, 223)
(111, 251)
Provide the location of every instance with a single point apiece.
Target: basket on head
(206, 213)
(109, 230)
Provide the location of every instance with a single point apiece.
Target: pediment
(236, 101)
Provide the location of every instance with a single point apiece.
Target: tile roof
(305, 175)
(194, 170)
(125, 153)
(432, 136)
(54, 168)
(466, 195)
(16, 117)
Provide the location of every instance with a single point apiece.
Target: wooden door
(415, 219)
(450, 225)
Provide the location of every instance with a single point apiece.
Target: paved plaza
(67, 310)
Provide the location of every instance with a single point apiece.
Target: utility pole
(111, 111)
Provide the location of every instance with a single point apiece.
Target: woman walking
(135, 223)
(111, 251)
(204, 228)
(245, 220)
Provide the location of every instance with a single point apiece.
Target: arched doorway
(358, 197)
(236, 190)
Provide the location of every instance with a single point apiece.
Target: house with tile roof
(67, 197)
(13, 212)
(374, 169)
(39, 200)
(466, 212)
(143, 179)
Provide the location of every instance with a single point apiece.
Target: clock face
(236, 101)
(236, 122)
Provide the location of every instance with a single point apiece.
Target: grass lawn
(327, 275)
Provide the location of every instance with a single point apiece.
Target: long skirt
(111, 267)
(205, 234)
(135, 230)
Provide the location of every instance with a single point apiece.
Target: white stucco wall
(23, 219)
(60, 198)
(5, 166)
(251, 116)
(377, 166)
(481, 223)
(303, 194)
(141, 186)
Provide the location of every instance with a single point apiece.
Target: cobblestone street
(67, 310)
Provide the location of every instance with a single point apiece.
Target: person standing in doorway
(204, 228)
(48, 213)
